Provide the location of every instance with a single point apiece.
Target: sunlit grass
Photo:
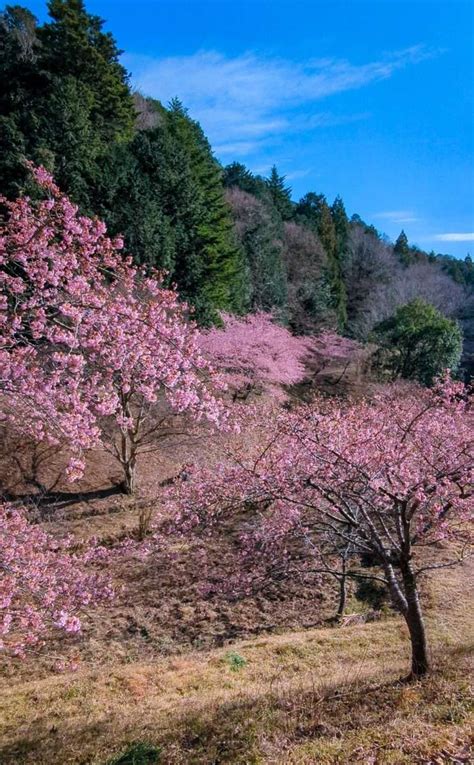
(315, 696)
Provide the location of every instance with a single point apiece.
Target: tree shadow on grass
(246, 728)
(50, 501)
(223, 733)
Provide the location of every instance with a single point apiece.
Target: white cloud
(455, 237)
(397, 216)
(250, 97)
(295, 174)
(238, 148)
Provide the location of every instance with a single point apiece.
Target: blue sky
(369, 99)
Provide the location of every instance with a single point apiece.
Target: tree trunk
(342, 590)
(128, 460)
(398, 598)
(129, 477)
(420, 663)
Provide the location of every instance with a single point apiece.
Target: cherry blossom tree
(389, 477)
(88, 342)
(256, 353)
(44, 584)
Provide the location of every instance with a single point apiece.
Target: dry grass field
(327, 695)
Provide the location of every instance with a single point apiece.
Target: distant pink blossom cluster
(256, 351)
(88, 342)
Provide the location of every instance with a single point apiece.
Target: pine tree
(66, 98)
(280, 194)
(220, 285)
(313, 211)
(402, 249)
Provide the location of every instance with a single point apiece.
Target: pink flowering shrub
(379, 477)
(88, 342)
(43, 583)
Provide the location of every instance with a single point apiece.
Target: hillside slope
(326, 696)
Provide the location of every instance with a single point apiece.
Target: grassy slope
(317, 696)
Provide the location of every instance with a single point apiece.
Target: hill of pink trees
(96, 352)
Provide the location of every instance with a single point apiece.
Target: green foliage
(259, 232)
(150, 173)
(235, 661)
(65, 97)
(74, 45)
(163, 191)
(147, 194)
(341, 227)
(421, 343)
(238, 175)
(280, 194)
(331, 226)
(356, 220)
(23, 87)
(460, 271)
(137, 753)
(221, 284)
(402, 249)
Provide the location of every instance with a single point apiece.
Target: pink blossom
(43, 583)
(88, 342)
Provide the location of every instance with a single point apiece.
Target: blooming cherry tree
(254, 352)
(88, 342)
(44, 585)
(381, 477)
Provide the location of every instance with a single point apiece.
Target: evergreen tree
(469, 270)
(237, 175)
(259, 231)
(420, 342)
(280, 194)
(313, 211)
(23, 87)
(341, 227)
(402, 249)
(74, 45)
(138, 199)
(66, 98)
(221, 282)
(163, 191)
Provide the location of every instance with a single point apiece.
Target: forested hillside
(230, 240)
